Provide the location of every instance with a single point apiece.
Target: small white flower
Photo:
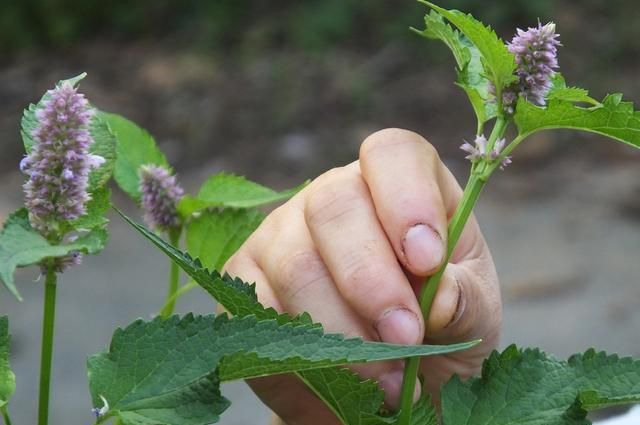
(101, 411)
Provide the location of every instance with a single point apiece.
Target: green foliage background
(309, 24)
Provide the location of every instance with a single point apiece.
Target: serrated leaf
(356, 401)
(216, 235)
(21, 245)
(468, 59)
(498, 62)
(178, 360)
(614, 118)
(229, 190)
(240, 300)
(135, 147)
(97, 207)
(7, 378)
(560, 91)
(349, 397)
(529, 387)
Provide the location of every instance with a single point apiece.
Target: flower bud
(160, 196)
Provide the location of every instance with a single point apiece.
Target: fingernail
(449, 306)
(461, 304)
(399, 326)
(423, 248)
(391, 383)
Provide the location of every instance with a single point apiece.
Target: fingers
(345, 229)
(298, 277)
(403, 174)
(414, 196)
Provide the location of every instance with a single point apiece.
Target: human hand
(353, 249)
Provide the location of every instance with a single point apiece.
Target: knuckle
(363, 280)
(390, 138)
(299, 271)
(334, 199)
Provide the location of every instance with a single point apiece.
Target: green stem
(5, 415)
(174, 276)
(180, 292)
(472, 190)
(48, 325)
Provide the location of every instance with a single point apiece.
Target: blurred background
(280, 92)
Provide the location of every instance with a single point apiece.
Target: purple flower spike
(59, 164)
(535, 52)
(160, 196)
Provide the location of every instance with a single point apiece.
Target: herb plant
(168, 370)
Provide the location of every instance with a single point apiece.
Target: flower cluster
(536, 56)
(479, 151)
(160, 196)
(59, 164)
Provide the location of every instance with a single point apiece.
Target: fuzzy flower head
(536, 56)
(160, 196)
(478, 151)
(59, 163)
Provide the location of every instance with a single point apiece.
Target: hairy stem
(472, 190)
(48, 326)
(174, 276)
(5, 415)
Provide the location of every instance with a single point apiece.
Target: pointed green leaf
(228, 190)
(97, 207)
(560, 91)
(471, 73)
(105, 145)
(214, 236)
(498, 62)
(614, 118)
(135, 147)
(168, 371)
(529, 387)
(7, 378)
(351, 398)
(20, 245)
(240, 300)
(358, 402)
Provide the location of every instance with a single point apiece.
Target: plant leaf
(529, 387)
(168, 371)
(214, 236)
(560, 91)
(135, 147)
(20, 245)
(498, 62)
(240, 300)
(97, 207)
(105, 145)
(7, 378)
(471, 73)
(614, 118)
(229, 190)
